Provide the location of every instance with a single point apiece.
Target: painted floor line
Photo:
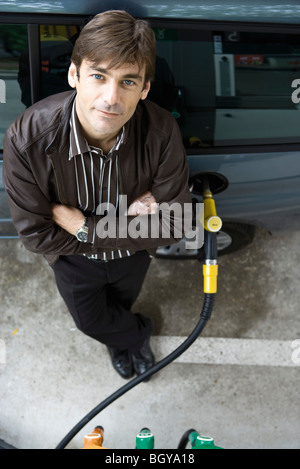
(227, 351)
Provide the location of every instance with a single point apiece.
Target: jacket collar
(62, 131)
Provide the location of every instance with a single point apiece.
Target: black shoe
(122, 362)
(143, 359)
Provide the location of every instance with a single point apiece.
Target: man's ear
(72, 75)
(146, 90)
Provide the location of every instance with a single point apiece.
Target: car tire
(232, 237)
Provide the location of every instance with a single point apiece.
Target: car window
(13, 41)
(229, 88)
(56, 48)
(254, 75)
(225, 88)
(56, 44)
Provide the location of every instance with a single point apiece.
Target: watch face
(82, 236)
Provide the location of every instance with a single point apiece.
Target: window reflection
(235, 87)
(13, 41)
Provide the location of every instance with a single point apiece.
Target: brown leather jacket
(36, 173)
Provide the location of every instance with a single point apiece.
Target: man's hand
(143, 205)
(70, 219)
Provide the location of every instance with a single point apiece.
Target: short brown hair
(117, 36)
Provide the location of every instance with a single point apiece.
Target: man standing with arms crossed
(73, 152)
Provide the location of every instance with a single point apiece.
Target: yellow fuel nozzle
(210, 274)
(212, 222)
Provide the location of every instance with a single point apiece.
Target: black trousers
(100, 294)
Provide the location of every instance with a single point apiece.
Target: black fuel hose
(205, 315)
(185, 439)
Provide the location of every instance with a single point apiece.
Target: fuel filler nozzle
(205, 184)
(212, 224)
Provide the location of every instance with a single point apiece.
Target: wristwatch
(82, 233)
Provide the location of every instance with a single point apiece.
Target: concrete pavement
(239, 382)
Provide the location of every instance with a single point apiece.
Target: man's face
(106, 97)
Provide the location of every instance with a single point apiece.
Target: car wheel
(232, 237)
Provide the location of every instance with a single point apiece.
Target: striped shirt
(97, 176)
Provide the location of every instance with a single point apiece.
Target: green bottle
(145, 439)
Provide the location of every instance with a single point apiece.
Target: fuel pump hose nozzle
(212, 224)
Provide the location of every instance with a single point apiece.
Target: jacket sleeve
(30, 207)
